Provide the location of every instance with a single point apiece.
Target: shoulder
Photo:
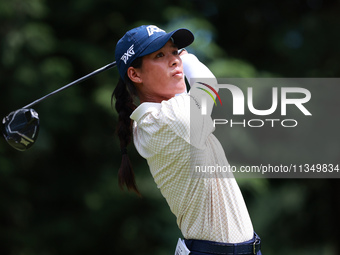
(172, 114)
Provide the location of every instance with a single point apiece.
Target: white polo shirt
(173, 142)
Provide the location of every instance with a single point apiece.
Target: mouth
(177, 73)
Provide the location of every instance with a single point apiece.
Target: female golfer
(171, 133)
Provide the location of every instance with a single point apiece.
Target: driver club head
(20, 128)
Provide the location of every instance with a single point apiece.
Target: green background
(62, 197)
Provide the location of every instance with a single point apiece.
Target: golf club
(20, 128)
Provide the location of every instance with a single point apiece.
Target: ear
(134, 75)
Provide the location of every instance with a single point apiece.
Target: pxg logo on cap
(128, 54)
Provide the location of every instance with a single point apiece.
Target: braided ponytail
(124, 94)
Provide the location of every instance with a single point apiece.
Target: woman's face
(161, 75)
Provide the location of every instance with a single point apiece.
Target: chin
(181, 87)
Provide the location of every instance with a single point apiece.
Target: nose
(175, 60)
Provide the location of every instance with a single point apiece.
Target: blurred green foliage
(62, 197)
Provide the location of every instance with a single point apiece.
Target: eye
(175, 52)
(159, 55)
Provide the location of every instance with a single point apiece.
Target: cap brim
(182, 38)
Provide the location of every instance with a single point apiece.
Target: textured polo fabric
(207, 207)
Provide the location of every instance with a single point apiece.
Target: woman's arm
(199, 76)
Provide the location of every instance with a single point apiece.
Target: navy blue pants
(202, 247)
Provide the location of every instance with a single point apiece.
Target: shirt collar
(144, 108)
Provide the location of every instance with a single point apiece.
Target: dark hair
(124, 93)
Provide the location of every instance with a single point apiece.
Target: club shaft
(111, 65)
